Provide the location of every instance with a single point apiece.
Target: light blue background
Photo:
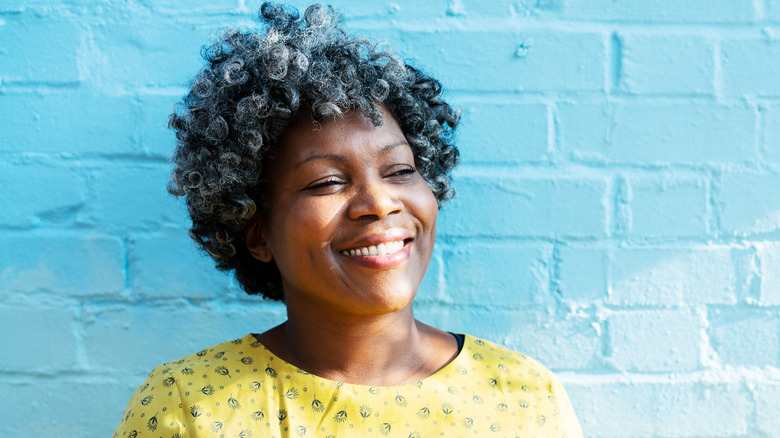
(617, 216)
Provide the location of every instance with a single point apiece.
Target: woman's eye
(323, 183)
(404, 171)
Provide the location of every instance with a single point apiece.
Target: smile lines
(375, 250)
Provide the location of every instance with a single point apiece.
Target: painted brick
(48, 407)
(192, 276)
(717, 11)
(751, 66)
(767, 396)
(559, 343)
(503, 133)
(197, 6)
(654, 340)
(498, 275)
(44, 49)
(64, 263)
(667, 64)
(81, 155)
(655, 131)
(138, 338)
(582, 128)
(772, 10)
(156, 140)
(40, 192)
(681, 132)
(745, 336)
(149, 51)
(668, 205)
(69, 121)
(674, 276)
(532, 60)
(39, 7)
(749, 203)
(397, 12)
(666, 408)
(515, 9)
(49, 342)
(582, 273)
(771, 146)
(513, 206)
(769, 260)
(133, 195)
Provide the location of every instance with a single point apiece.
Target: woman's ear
(255, 240)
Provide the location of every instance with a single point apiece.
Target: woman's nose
(374, 199)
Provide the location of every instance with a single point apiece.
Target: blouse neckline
(291, 369)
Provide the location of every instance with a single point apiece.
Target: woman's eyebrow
(331, 157)
(392, 145)
(342, 159)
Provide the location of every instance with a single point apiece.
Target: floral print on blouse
(239, 389)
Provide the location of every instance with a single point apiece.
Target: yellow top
(240, 389)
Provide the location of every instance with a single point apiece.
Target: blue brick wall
(617, 216)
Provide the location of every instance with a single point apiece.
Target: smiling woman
(314, 165)
(337, 188)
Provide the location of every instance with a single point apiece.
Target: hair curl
(252, 86)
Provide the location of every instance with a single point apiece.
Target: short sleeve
(155, 409)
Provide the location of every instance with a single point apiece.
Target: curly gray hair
(252, 86)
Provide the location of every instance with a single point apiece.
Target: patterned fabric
(240, 389)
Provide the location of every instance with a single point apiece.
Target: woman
(314, 165)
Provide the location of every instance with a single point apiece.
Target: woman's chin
(379, 303)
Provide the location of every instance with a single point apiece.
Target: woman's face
(350, 223)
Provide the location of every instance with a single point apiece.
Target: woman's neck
(379, 350)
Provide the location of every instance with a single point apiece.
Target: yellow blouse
(240, 389)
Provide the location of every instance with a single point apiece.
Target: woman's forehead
(304, 137)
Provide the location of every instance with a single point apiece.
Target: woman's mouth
(376, 250)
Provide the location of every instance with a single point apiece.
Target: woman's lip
(384, 261)
(376, 250)
(387, 236)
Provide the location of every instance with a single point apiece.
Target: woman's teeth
(375, 250)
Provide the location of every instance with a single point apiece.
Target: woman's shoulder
(488, 352)
(162, 402)
(524, 382)
(503, 366)
(243, 350)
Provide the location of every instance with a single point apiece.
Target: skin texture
(341, 185)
